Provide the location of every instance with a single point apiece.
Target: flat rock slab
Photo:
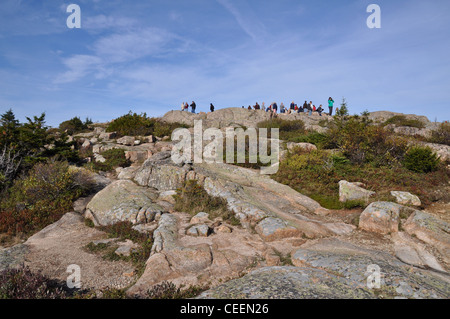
(61, 244)
(288, 283)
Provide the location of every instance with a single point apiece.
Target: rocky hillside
(272, 241)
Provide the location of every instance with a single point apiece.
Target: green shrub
(133, 124)
(74, 125)
(362, 142)
(401, 120)
(421, 160)
(192, 198)
(42, 197)
(317, 175)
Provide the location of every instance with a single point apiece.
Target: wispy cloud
(251, 26)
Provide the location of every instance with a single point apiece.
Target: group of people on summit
(294, 108)
(273, 108)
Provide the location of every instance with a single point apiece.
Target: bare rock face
(330, 268)
(380, 217)
(123, 200)
(431, 230)
(352, 191)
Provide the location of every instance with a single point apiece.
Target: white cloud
(79, 66)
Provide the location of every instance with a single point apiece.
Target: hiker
(211, 107)
(282, 108)
(193, 106)
(309, 107)
(274, 107)
(337, 111)
(314, 108)
(305, 106)
(257, 107)
(182, 106)
(330, 105)
(263, 107)
(320, 110)
(292, 106)
(249, 107)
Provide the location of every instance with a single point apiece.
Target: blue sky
(149, 56)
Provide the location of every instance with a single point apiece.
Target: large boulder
(381, 217)
(353, 191)
(122, 200)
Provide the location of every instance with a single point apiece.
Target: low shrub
(168, 290)
(133, 124)
(361, 142)
(42, 197)
(421, 160)
(22, 283)
(317, 175)
(74, 125)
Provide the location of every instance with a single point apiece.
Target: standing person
(211, 107)
(305, 106)
(193, 106)
(263, 106)
(310, 108)
(182, 106)
(330, 105)
(274, 107)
